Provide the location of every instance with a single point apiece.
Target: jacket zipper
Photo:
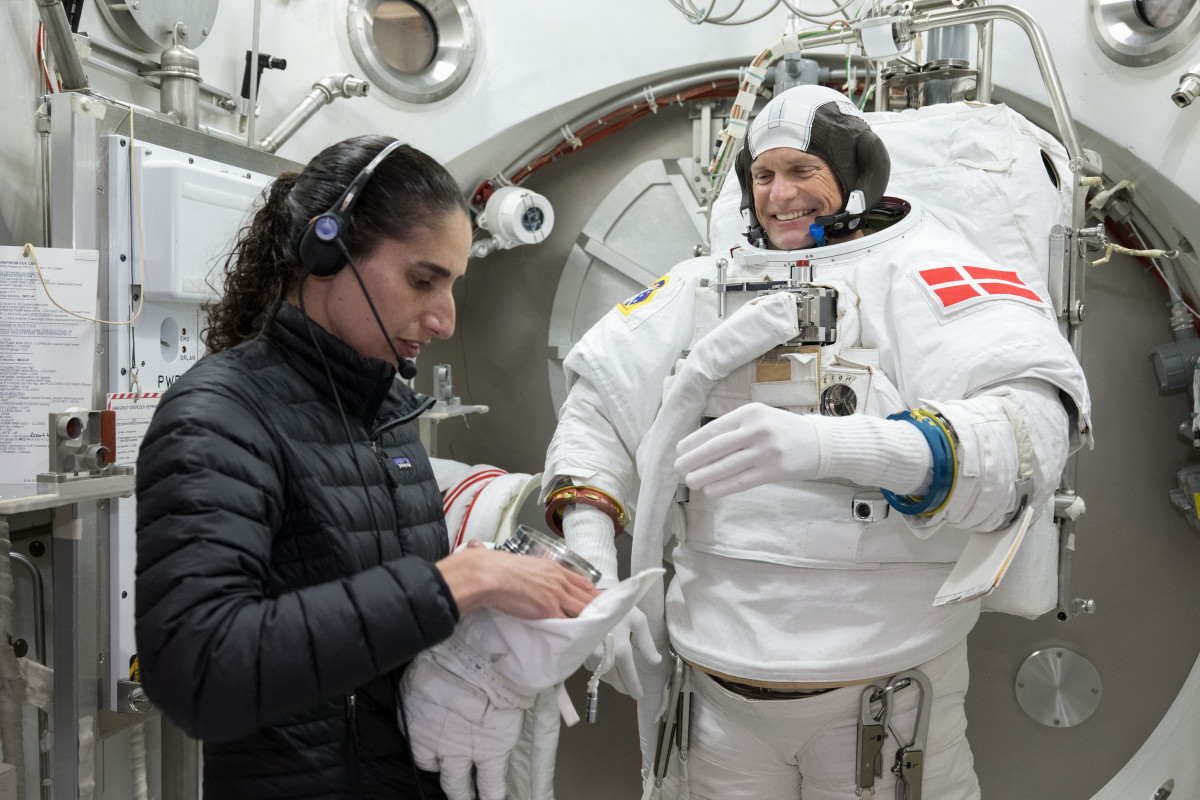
(352, 744)
(392, 484)
(425, 404)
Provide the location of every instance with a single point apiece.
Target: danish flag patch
(959, 288)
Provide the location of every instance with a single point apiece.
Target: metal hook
(872, 730)
(910, 758)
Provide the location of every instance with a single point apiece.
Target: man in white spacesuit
(820, 419)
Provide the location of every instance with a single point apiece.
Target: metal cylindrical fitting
(179, 94)
(1189, 87)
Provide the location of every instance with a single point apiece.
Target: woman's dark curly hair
(409, 190)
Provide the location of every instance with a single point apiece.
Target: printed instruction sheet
(46, 355)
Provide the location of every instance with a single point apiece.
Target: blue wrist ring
(945, 466)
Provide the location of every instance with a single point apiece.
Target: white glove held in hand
(756, 444)
(460, 714)
(632, 631)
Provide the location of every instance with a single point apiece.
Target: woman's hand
(524, 586)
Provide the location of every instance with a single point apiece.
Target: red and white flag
(958, 288)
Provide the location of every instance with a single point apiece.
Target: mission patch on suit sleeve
(643, 297)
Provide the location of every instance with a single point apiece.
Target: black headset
(320, 248)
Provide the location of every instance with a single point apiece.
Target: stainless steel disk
(1058, 687)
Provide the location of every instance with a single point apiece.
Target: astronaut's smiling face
(791, 189)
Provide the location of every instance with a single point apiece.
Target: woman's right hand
(520, 585)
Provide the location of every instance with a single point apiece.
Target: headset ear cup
(319, 256)
(874, 166)
(741, 168)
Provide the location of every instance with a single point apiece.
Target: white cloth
(535, 654)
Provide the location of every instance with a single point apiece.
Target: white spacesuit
(796, 587)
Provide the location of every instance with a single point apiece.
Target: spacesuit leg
(739, 748)
(827, 764)
(805, 749)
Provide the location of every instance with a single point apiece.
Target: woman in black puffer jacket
(292, 554)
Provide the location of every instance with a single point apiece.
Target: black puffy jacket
(285, 576)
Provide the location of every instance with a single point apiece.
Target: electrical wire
(699, 16)
(728, 16)
(1123, 232)
(818, 17)
(866, 96)
(1158, 268)
(40, 45)
(31, 252)
(755, 18)
(602, 128)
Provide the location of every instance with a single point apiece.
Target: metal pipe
(43, 129)
(1041, 51)
(324, 91)
(250, 112)
(11, 716)
(62, 44)
(983, 62)
(39, 606)
(64, 553)
(39, 652)
(920, 6)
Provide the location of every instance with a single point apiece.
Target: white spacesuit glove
(455, 723)
(589, 532)
(464, 699)
(756, 444)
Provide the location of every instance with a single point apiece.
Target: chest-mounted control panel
(816, 306)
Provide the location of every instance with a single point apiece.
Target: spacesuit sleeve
(615, 377)
(586, 446)
(1011, 438)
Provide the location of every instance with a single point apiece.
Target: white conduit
(12, 685)
(748, 333)
(1116, 248)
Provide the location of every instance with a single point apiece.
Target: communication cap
(823, 122)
